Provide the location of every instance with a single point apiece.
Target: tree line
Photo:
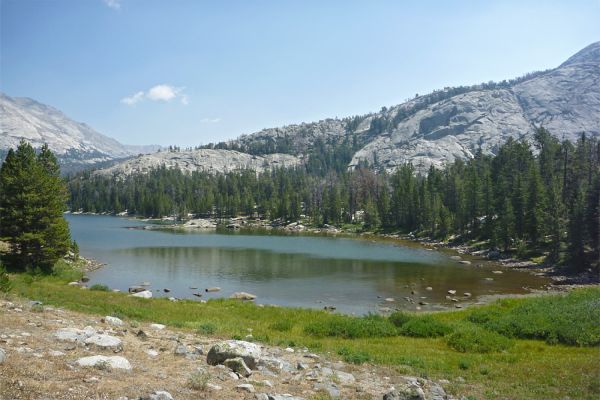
(534, 199)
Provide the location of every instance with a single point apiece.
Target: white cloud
(210, 120)
(161, 92)
(114, 4)
(133, 99)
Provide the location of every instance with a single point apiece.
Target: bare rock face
(206, 160)
(75, 144)
(231, 349)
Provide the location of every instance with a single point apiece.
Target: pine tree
(32, 201)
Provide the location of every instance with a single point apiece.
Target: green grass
(101, 288)
(473, 339)
(527, 369)
(572, 319)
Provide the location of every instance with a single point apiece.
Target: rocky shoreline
(48, 352)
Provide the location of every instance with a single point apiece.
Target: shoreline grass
(488, 368)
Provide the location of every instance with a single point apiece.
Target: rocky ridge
(76, 144)
(46, 352)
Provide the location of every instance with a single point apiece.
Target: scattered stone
(212, 289)
(452, 292)
(214, 387)
(283, 397)
(245, 387)
(458, 306)
(301, 367)
(222, 351)
(158, 327)
(238, 365)
(289, 350)
(91, 379)
(152, 353)
(115, 362)
(466, 262)
(497, 272)
(105, 342)
(243, 296)
(73, 284)
(329, 308)
(390, 300)
(429, 288)
(142, 335)
(467, 294)
(73, 334)
(145, 294)
(55, 353)
(181, 350)
(113, 321)
(160, 395)
(423, 303)
(2, 356)
(330, 388)
(261, 396)
(489, 279)
(408, 393)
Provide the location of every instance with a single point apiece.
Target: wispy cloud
(161, 92)
(114, 4)
(210, 120)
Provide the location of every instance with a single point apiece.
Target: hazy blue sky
(191, 72)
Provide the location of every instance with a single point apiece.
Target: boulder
(105, 342)
(222, 351)
(114, 362)
(238, 365)
(243, 296)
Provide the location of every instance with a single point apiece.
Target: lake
(352, 274)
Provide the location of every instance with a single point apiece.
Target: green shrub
(206, 328)
(5, 283)
(100, 288)
(572, 319)
(425, 327)
(399, 318)
(472, 339)
(354, 356)
(351, 328)
(284, 325)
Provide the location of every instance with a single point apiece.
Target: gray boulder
(222, 351)
(114, 362)
(238, 365)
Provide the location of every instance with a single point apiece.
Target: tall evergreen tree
(32, 200)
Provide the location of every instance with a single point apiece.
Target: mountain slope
(454, 122)
(76, 144)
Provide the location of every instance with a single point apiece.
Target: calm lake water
(354, 275)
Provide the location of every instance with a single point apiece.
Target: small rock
(429, 288)
(152, 353)
(145, 294)
(456, 258)
(243, 296)
(300, 366)
(390, 300)
(466, 262)
(142, 335)
(497, 272)
(329, 388)
(245, 387)
(214, 387)
(115, 362)
(261, 396)
(166, 290)
(55, 353)
(289, 350)
(452, 292)
(238, 365)
(105, 342)
(160, 395)
(113, 321)
(91, 379)
(136, 289)
(467, 294)
(407, 393)
(73, 284)
(73, 334)
(181, 350)
(158, 327)
(329, 308)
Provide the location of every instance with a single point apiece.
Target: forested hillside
(537, 199)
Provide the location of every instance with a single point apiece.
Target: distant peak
(589, 54)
